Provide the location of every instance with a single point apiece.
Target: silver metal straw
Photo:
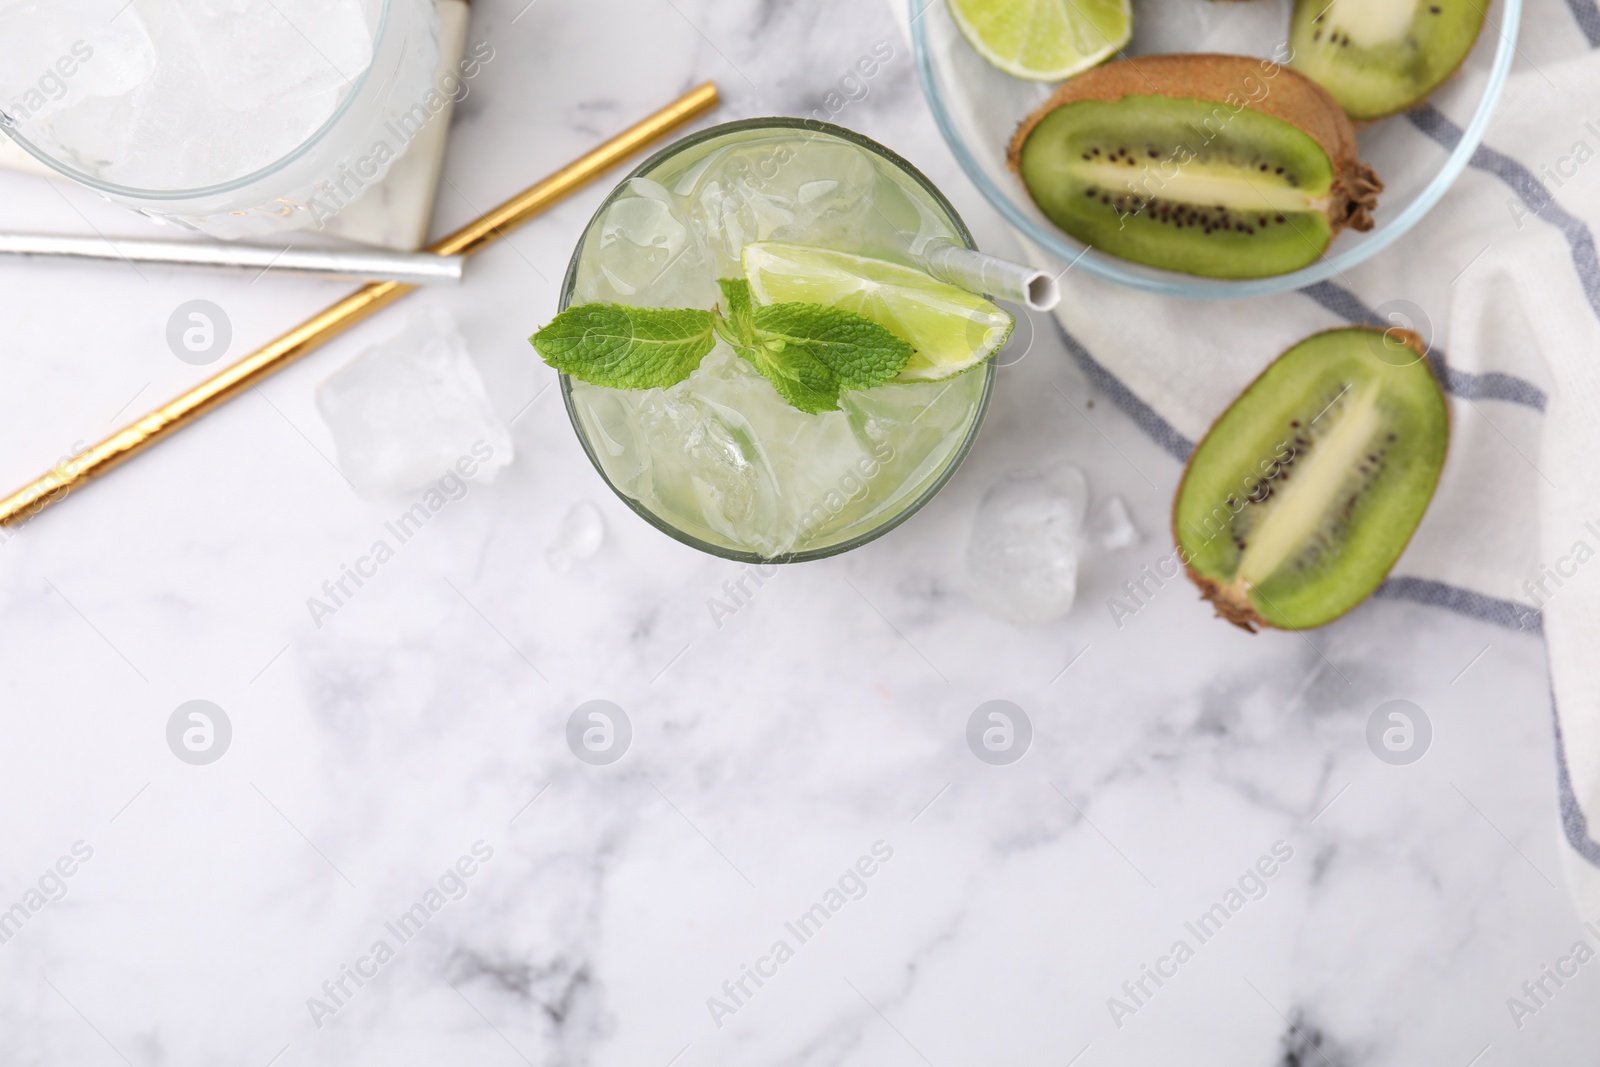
(983, 274)
(411, 268)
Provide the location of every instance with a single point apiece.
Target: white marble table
(822, 723)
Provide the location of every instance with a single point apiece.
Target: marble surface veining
(420, 732)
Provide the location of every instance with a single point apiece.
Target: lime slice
(1044, 40)
(952, 330)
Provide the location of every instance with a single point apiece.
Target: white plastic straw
(989, 275)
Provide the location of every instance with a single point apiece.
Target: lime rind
(917, 371)
(1044, 40)
(952, 330)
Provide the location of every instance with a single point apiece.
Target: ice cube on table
(1023, 557)
(578, 536)
(1113, 527)
(412, 409)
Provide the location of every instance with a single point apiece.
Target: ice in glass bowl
(233, 117)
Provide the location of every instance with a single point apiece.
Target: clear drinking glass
(126, 93)
(720, 461)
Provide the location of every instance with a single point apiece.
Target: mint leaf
(860, 353)
(799, 377)
(736, 293)
(627, 347)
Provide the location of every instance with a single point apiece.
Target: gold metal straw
(79, 470)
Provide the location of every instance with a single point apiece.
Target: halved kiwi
(1305, 492)
(1381, 56)
(1221, 166)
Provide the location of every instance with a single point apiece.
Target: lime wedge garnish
(1044, 40)
(952, 330)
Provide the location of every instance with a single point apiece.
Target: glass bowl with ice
(753, 354)
(235, 118)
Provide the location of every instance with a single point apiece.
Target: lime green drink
(809, 214)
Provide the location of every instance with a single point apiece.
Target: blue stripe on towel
(1506, 614)
(1588, 19)
(1488, 386)
(1573, 820)
(1144, 416)
(1433, 122)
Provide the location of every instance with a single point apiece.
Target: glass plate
(978, 108)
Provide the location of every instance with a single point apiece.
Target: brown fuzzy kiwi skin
(1232, 603)
(1291, 97)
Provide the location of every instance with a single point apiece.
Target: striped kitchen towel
(1504, 276)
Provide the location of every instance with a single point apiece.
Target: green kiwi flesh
(1381, 56)
(1160, 181)
(1304, 493)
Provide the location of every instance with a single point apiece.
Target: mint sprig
(627, 347)
(807, 351)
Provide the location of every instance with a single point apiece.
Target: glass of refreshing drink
(232, 117)
(752, 353)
